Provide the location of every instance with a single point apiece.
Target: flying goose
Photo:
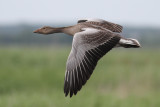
(92, 39)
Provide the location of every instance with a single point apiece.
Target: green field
(34, 77)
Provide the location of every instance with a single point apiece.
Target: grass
(34, 77)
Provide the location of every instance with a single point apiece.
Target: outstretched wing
(104, 24)
(87, 48)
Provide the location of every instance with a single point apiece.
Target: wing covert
(104, 24)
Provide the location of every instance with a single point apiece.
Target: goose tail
(129, 43)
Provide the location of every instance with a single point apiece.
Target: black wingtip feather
(66, 90)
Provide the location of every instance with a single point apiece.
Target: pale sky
(132, 12)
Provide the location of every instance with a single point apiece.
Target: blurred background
(32, 66)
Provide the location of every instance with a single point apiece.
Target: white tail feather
(129, 43)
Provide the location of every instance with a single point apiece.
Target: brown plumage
(92, 39)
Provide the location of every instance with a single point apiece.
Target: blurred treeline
(22, 34)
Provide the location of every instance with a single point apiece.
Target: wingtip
(66, 94)
(71, 94)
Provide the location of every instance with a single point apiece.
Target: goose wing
(88, 47)
(104, 24)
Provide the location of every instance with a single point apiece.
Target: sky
(131, 12)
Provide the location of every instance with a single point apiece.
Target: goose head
(46, 30)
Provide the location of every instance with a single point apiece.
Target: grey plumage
(92, 39)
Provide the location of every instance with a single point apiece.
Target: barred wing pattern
(87, 48)
(104, 24)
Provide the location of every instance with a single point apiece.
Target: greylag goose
(92, 39)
